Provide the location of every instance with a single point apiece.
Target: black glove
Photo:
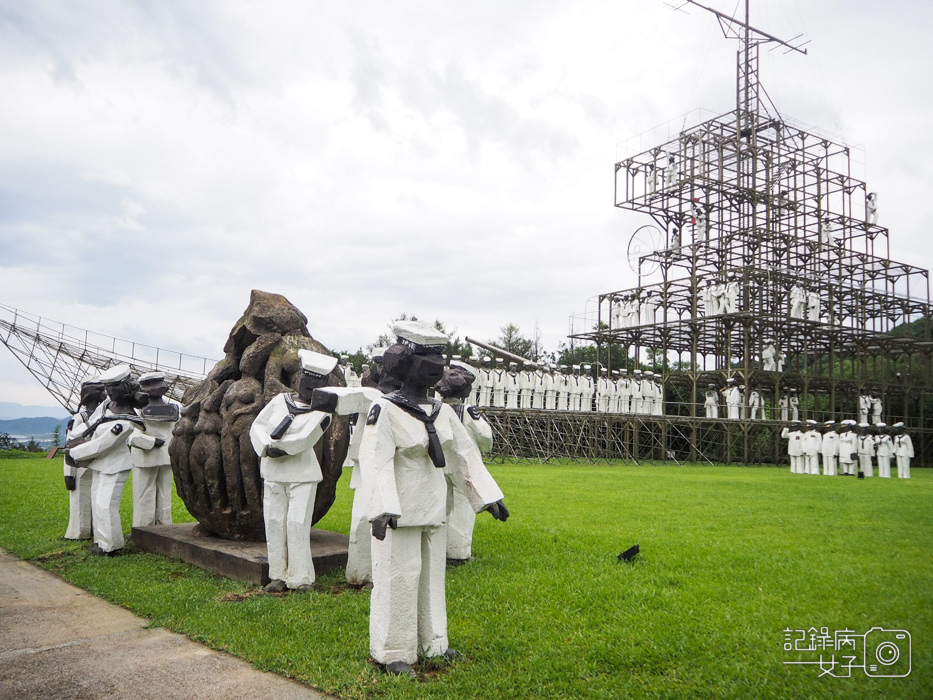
(69, 460)
(498, 511)
(380, 524)
(159, 442)
(70, 483)
(274, 451)
(325, 401)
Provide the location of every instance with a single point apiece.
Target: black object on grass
(629, 553)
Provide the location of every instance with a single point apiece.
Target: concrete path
(58, 641)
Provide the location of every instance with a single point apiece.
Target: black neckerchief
(293, 408)
(435, 452)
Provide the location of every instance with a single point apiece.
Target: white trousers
(829, 465)
(79, 506)
(864, 464)
(152, 496)
(106, 492)
(288, 508)
(903, 467)
(846, 467)
(884, 466)
(460, 522)
(712, 411)
(813, 464)
(550, 400)
(408, 610)
(359, 558)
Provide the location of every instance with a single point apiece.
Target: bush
(15, 454)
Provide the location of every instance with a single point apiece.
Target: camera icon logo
(887, 653)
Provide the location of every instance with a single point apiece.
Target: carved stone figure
(216, 470)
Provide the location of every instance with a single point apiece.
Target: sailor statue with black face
(411, 446)
(284, 435)
(152, 466)
(103, 448)
(78, 479)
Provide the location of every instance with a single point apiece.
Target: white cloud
(364, 159)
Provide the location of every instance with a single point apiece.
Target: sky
(365, 159)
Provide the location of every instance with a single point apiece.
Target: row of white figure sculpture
(853, 448)
(738, 408)
(565, 388)
(117, 431)
(418, 478)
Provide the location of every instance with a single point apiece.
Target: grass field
(730, 558)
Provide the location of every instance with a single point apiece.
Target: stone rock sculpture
(215, 467)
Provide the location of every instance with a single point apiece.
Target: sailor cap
(863, 425)
(810, 421)
(115, 374)
(881, 425)
(587, 367)
(829, 422)
(91, 379)
(149, 377)
(377, 354)
(499, 360)
(513, 364)
(344, 357)
(604, 370)
(849, 421)
(463, 366)
(420, 337)
(899, 424)
(316, 363)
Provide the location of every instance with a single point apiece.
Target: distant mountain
(15, 410)
(38, 428)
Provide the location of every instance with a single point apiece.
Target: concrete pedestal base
(244, 561)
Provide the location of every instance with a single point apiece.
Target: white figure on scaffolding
(813, 306)
(670, 172)
(649, 309)
(828, 232)
(755, 404)
(711, 402)
(701, 223)
(652, 179)
(771, 358)
(798, 301)
(903, 450)
(730, 297)
(871, 208)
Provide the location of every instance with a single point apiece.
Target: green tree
(57, 436)
(512, 340)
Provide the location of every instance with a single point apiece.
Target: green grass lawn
(730, 557)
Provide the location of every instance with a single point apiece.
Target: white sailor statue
(711, 402)
(78, 479)
(903, 450)
(152, 466)
(453, 389)
(103, 448)
(410, 443)
(284, 435)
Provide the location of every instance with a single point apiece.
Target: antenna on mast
(748, 87)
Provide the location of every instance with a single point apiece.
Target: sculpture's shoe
(97, 551)
(452, 654)
(399, 668)
(457, 562)
(305, 588)
(276, 585)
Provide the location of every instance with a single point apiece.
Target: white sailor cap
(576, 366)
(533, 365)
(587, 367)
(487, 358)
(420, 337)
(513, 364)
(499, 360)
(711, 386)
(899, 424)
(149, 377)
(615, 371)
(829, 422)
(730, 380)
(649, 373)
(849, 421)
(344, 357)
(91, 379)
(881, 425)
(364, 367)
(377, 354)
(623, 371)
(563, 366)
(455, 357)
(463, 366)
(863, 425)
(115, 374)
(811, 422)
(603, 369)
(316, 363)
(637, 371)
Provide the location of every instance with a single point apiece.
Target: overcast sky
(455, 160)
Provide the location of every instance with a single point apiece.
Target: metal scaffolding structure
(751, 199)
(61, 356)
